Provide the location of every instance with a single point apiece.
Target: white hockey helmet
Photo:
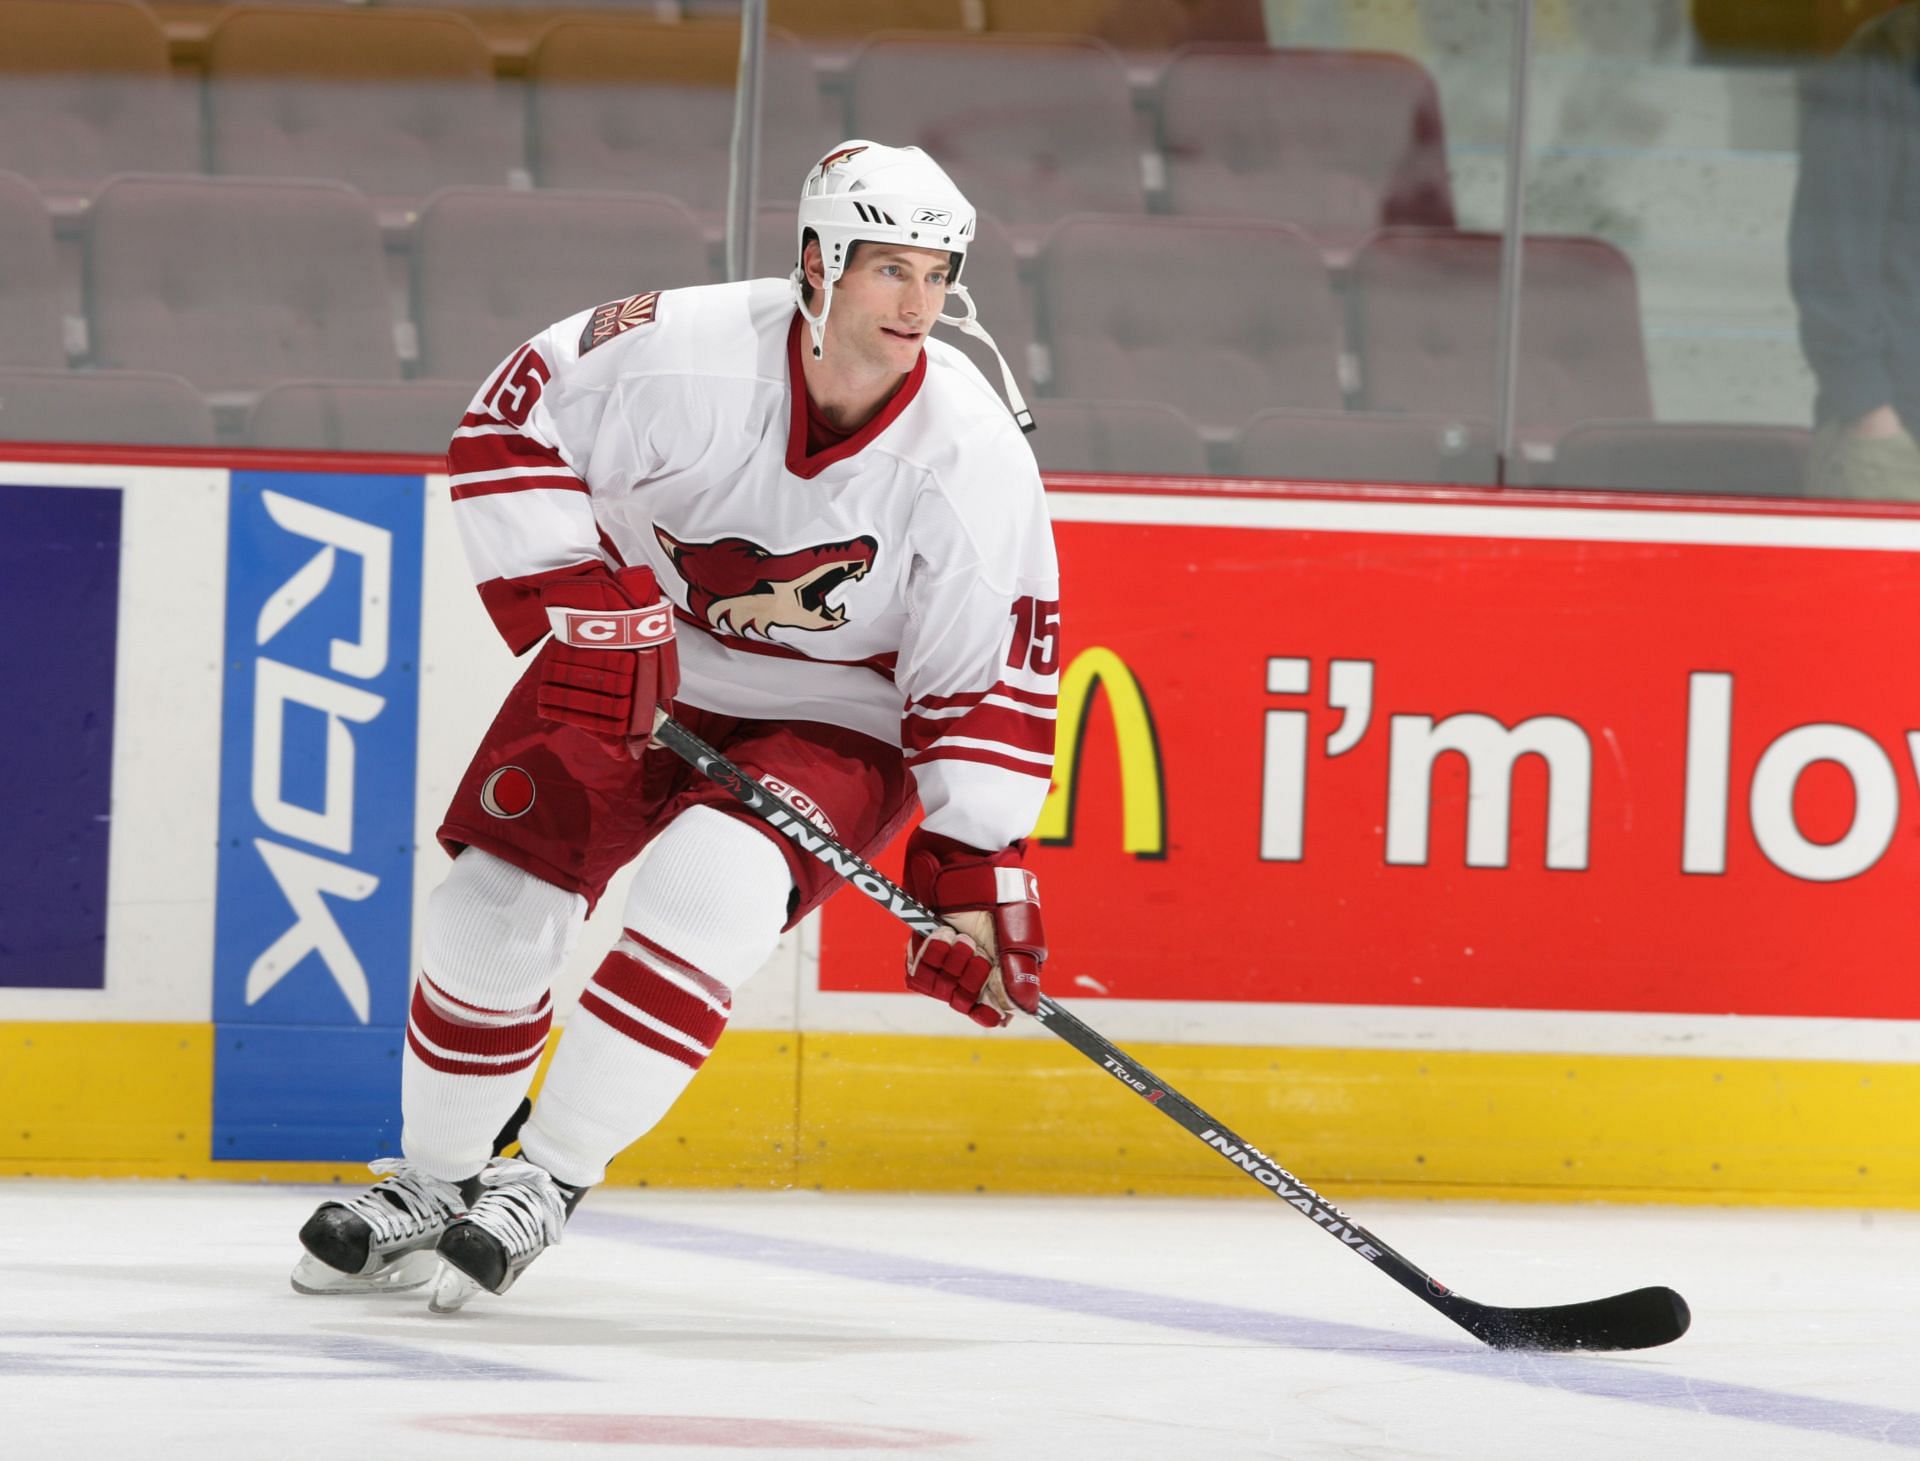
(864, 192)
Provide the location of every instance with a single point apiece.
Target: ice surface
(155, 1320)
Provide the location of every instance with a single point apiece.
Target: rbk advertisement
(319, 745)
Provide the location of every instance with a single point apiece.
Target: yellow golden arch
(1143, 818)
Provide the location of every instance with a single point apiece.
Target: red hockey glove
(991, 963)
(612, 658)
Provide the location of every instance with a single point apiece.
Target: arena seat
(494, 266)
(1683, 456)
(1426, 328)
(1220, 318)
(337, 415)
(394, 102)
(29, 279)
(123, 407)
(86, 92)
(1133, 25)
(863, 17)
(1126, 438)
(1036, 128)
(624, 103)
(1359, 446)
(1339, 142)
(237, 282)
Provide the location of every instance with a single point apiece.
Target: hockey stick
(1637, 1320)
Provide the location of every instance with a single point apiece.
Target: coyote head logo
(736, 585)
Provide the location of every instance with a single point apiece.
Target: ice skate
(517, 1216)
(380, 1241)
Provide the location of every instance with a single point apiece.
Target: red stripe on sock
(640, 1034)
(648, 990)
(436, 1061)
(664, 958)
(481, 1013)
(470, 1037)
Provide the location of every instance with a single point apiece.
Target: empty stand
(235, 283)
(29, 279)
(85, 92)
(1671, 456)
(124, 407)
(1219, 318)
(1356, 446)
(1032, 129)
(493, 266)
(395, 102)
(1133, 25)
(1124, 438)
(332, 415)
(1426, 324)
(619, 103)
(863, 17)
(1339, 142)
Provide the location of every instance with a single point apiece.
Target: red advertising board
(1515, 757)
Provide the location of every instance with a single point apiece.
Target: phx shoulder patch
(617, 318)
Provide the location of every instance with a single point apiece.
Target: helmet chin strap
(966, 324)
(969, 324)
(816, 324)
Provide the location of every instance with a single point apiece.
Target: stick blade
(1642, 1319)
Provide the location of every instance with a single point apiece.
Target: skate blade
(451, 1291)
(404, 1275)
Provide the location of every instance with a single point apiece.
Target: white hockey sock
(493, 937)
(704, 912)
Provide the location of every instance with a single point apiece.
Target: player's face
(885, 303)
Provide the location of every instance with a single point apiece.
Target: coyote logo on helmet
(837, 157)
(735, 585)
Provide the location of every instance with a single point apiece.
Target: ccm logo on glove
(624, 629)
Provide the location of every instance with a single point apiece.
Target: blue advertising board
(60, 597)
(319, 737)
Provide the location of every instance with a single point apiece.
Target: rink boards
(1446, 842)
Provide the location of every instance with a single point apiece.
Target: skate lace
(522, 1206)
(408, 1203)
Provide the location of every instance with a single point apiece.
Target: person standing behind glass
(1854, 251)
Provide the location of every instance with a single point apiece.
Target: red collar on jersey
(799, 462)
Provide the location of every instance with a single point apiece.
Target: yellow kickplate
(899, 1112)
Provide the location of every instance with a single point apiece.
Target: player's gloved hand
(989, 963)
(612, 659)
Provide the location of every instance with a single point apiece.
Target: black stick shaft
(1626, 1321)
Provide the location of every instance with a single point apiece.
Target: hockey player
(779, 510)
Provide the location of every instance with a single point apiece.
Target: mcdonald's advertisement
(1476, 754)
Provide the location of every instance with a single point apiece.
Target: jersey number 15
(1036, 635)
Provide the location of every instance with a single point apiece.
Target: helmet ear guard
(864, 192)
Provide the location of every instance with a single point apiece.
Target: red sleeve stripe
(507, 451)
(1010, 692)
(491, 484)
(1043, 772)
(1015, 728)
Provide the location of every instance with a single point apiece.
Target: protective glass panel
(1719, 286)
(1173, 200)
(323, 227)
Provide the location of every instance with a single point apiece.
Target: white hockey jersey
(901, 584)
